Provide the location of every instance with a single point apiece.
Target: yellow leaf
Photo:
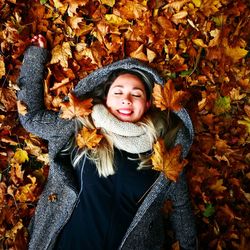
(245, 122)
(20, 156)
(13, 231)
(88, 138)
(138, 54)
(168, 161)
(197, 3)
(199, 42)
(110, 3)
(218, 186)
(116, 20)
(75, 107)
(2, 67)
(61, 53)
(150, 55)
(235, 53)
(26, 193)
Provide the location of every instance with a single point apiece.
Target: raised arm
(182, 218)
(38, 120)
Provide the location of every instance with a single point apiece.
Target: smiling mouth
(125, 112)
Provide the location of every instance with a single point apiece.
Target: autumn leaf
(88, 138)
(222, 105)
(168, 161)
(167, 97)
(218, 186)
(26, 193)
(75, 107)
(20, 156)
(236, 53)
(110, 3)
(61, 54)
(116, 20)
(245, 122)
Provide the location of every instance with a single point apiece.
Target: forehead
(128, 80)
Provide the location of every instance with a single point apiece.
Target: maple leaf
(88, 138)
(168, 161)
(61, 53)
(75, 107)
(26, 192)
(167, 97)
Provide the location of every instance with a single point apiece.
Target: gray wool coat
(146, 230)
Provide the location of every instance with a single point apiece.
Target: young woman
(108, 197)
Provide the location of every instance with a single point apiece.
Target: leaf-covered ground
(201, 45)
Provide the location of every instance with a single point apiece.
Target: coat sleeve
(182, 218)
(38, 120)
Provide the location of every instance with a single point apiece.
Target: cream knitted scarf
(126, 136)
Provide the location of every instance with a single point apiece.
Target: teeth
(125, 112)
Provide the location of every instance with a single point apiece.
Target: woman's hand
(39, 41)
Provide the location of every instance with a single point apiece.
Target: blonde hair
(157, 123)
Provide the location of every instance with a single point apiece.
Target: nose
(126, 101)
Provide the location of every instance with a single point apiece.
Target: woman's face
(126, 98)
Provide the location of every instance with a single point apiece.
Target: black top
(106, 205)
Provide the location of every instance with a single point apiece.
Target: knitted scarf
(126, 136)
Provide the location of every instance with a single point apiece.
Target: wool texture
(131, 137)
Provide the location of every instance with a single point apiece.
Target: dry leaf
(88, 138)
(167, 97)
(61, 54)
(75, 107)
(168, 161)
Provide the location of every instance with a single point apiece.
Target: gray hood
(99, 76)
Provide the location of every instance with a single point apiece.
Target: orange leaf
(75, 107)
(167, 161)
(167, 97)
(88, 138)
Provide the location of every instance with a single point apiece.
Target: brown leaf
(75, 107)
(61, 54)
(167, 97)
(88, 138)
(8, 98)
(168, 161)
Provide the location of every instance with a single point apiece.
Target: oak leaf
(167, 97)
(88, 138)
(168, 161)
(75, 107)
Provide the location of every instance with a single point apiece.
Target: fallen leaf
(167, 161)
(88, 138)
(61, 54)
(75, 107)
(167, 97)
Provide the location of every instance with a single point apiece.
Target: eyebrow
(121, 86)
